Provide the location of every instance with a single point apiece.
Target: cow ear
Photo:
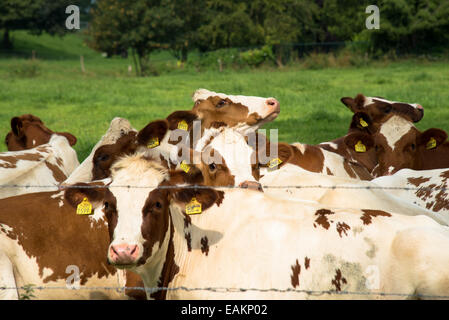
(70, 137)
(361, 121)
(432, 138)
(153, 133)
(206, 196)
(16, 126)
(354, 105)
(76, 194)
(190, 175)
(178, 116)
(359, 142)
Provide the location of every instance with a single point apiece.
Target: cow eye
(212, 166)
(221, 103)
(413, 146)
(158, 205)
(387, 109)
(106, 205)
(103, 157)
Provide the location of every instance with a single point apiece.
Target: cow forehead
(371, 100)
(251, 102)
(394, 129)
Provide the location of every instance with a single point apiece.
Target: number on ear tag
(153, 143)
(431, 144)
(84, 207)
(193, 207)
(360, 147)
(183, 125)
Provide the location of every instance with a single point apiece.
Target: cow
(308, 157)
(369, 114)
(400, 145)
(426, 188)
(38, 169)
(118, 127)
(174, 236)
(28, 131)
(43, 241)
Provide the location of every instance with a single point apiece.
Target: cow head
(138, 216)
(28, 131)
(379, 109)
(405, 148)
(245, 113)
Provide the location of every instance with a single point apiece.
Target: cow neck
(160, 268)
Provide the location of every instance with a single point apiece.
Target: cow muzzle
(253, 185)
(273, 108)
(123, 254)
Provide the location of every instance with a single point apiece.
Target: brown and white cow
(400, 145)
(426, 188)
(37, 169)
(43, 240)
(369, 114)
(246, 239)
(28, 131)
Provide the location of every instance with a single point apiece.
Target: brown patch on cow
(133, 280)
(296, 270)
(369, 214)
(426, 192)
(306, 263)
(311, 160)
(417, 181)
(187, 221)
(348, 169)
(204, 245)
(188, 238)
(322, 218)
(218, 124)
(11, 161)
(329, 173)
(342, 228)
(56, 236)
(169, 269)
(56, 172)
(338, 280)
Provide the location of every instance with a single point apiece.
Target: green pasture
(54, 88)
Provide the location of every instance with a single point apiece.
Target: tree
(140, 25)
(36, 16)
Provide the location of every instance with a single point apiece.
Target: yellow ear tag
(431, 144)
(153, 143)
(360, 147)
(183, 125)
(84, 207)
(193, 207)
(274, 163)
(363, 123)
(184, 166)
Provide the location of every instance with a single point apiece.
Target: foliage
(29, 292)
(256, 57)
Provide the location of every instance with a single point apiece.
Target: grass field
(55, 89)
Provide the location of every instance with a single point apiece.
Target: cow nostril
(113, 250)
(133, 250)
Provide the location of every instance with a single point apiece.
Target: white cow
(245, 239)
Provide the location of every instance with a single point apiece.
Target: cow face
(406, 149)
(28, 131)
(245, 113)
(379, 109)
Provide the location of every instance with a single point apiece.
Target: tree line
(180, 26)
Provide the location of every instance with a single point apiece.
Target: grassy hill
(54, 88)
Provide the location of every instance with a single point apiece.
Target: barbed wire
(230, 290)
(63, 187)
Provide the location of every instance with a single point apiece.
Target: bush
(256, 57)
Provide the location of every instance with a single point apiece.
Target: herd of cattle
(202, 199)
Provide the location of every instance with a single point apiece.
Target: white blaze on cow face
(371, 100)
(142, 176)
(394, 129)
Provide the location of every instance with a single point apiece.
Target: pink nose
(273, 104)
(123, 253)
(254, 185)
(419, 106)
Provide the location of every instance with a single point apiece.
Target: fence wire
(232, 290)
(63, 187)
